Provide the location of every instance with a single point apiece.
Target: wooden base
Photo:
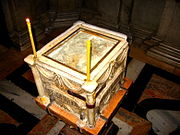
(111, 129)
(107, 113)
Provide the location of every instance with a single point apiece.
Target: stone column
(90, 103)
(125, 16)
(63, 13)
(145, 18)
(89, 11)
(166, 19)
(109, 14)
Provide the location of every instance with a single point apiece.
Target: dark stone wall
(152, 25)
(141, 20)
(15, 12)
(173, 31)
(147, 14)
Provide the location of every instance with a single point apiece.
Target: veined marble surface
(72, 51)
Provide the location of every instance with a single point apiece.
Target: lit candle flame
(27, 20)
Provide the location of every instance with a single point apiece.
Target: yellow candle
(88, 55)
(31, 37)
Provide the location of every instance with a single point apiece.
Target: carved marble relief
(107, 92)
(54, 84)
(56, 87)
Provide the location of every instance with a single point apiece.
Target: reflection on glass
(72, 51)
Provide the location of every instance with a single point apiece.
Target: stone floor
(12, 88)
(11, 59)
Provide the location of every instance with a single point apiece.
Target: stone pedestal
(60, 71)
